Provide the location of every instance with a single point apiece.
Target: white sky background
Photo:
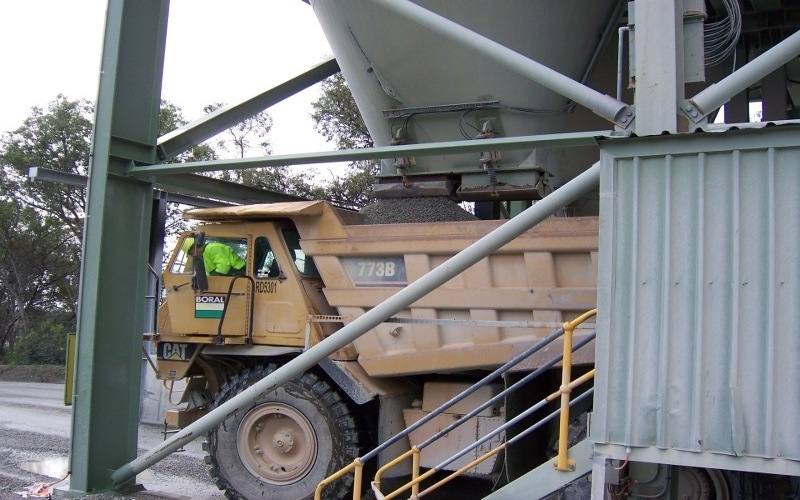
(216, 52)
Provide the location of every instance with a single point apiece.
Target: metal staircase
(569, 465)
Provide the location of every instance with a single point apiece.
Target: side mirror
(199, 241)
(199, 280)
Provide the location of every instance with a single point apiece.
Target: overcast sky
(216, 52)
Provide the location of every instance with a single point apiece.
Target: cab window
(304, 264)
(266, 266)
(221, 256)
(225, 256)
(182, 264)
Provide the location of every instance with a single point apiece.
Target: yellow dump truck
(312, 268)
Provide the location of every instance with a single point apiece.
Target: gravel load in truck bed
(405, 210)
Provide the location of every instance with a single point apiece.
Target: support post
(774, 101)
(562, 462)
(111, 306)
(659, 65)
(598, 477)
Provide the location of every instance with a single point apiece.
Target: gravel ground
(32, 373)
(402, 210)
(177, 476)
(34, 446)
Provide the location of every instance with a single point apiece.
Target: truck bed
(547, 276)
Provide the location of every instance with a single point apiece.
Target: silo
(415, 85)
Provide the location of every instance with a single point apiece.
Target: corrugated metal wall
(699, 299)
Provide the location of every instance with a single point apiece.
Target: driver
(218, 258)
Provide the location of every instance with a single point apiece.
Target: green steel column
(115, 248)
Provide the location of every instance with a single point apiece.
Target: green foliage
(278, 179)
(45, 345)
(59, 140)
(39, 263)
(338, 119)
(239, 138)
(41, 223)
(170, 117)
(354, 189)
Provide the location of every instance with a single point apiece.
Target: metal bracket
(625, 117)
(693, 112)
(349, 384)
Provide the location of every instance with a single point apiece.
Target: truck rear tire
(286, 442)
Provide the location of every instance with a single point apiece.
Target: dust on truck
(310, 269)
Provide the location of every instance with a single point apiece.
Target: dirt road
(34, 445)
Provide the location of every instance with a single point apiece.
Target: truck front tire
(286, 442)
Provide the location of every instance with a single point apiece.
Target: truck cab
(267, 303)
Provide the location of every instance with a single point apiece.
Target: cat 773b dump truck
(310, 269)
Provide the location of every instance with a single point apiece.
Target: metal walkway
(542, 481)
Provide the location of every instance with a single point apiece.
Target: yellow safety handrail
(391, 464)
(414, 453)
(562, 462)
(415, 482)
(464, 469)
(357, 481)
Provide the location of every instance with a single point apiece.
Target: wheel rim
(719, 484)
(702, 484)
(277, 443)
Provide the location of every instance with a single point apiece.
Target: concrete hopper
(413, 84)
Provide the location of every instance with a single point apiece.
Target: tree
(338, 119)
(58, 140)
(38, 270)
(279, 180)
(239, 138)
(41, 223)
(352, 190)
(45, 345)
(170, 117)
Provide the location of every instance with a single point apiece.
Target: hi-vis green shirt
(219, 258)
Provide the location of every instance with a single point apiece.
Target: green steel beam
(50, 175)
(574, 139)
(111, 310)
(199, 185)
(186, 137)
(182, 188)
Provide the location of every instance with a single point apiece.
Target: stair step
(545, 480)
